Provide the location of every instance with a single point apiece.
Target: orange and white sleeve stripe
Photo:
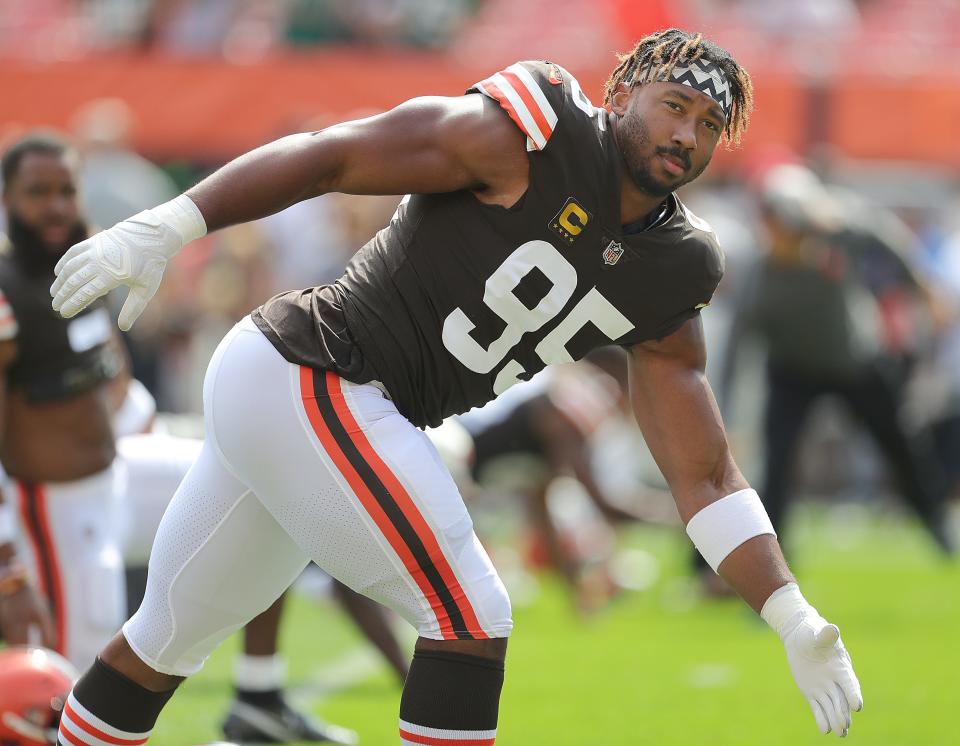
(8, 324)
(520, 96)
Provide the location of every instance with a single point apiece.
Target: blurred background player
(57, 402)
(840, 311)
(539, 430)
(61, 385)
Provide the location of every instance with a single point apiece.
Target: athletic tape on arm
(182, 215)
(724, 525)
(783, 606)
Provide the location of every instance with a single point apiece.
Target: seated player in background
(539, 227)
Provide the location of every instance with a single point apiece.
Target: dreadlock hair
(655, 56)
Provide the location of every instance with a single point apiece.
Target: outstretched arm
(681, 424)
(425, 145)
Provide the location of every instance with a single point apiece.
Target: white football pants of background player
(298, 465)
(75, 537)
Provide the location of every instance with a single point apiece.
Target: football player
(62, 383)
(533, 433)
(538, 227)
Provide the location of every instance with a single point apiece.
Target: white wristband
(8, 526)
(183, 216)
(724, 525)
(782, 606)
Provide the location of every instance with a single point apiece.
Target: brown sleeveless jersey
(56, 358)
(456, 300)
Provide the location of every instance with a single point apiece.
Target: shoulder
(689, 262)
(700, 245)
(540, 97)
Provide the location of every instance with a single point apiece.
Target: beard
(633, 137)
(36, 256)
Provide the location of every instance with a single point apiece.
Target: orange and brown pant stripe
(388, 503)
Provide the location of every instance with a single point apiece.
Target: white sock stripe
(460, 735)
(545, 108)
(75, 733)
(91, 719)
(419, 740)
(70, 726)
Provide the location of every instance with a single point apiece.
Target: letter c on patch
(573, 219)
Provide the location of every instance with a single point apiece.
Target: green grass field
(665, 667)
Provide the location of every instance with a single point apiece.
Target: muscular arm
(424, 145)
(681, 423)
(430, 144)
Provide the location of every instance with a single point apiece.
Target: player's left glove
(818, 660)
(134, 253)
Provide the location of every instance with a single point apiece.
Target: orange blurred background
(876, 79)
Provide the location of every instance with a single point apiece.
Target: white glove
(132, 253)
(818, 660)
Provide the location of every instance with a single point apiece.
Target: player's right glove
(134, 253)
(818, 660)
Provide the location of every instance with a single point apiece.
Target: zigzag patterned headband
(707, 78)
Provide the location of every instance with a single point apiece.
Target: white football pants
(297, 465)
(75, 537)
(69, 542)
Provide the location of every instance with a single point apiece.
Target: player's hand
(132, 253)
(22, 610)
(823, 670)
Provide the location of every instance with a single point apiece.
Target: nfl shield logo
(613, 252)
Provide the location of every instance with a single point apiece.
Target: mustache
(676, 152)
